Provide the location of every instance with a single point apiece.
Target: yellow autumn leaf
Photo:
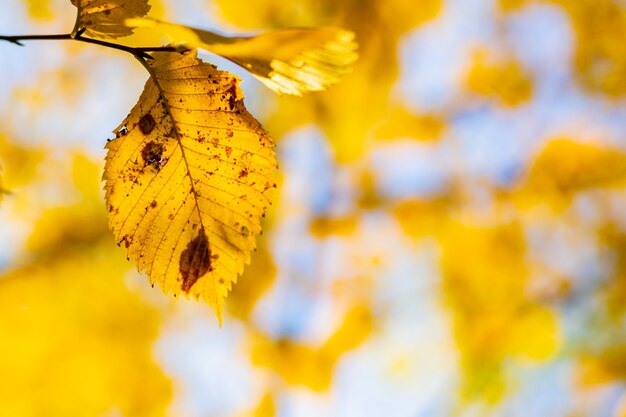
(288, 61)
(105, 19)
(188, 178)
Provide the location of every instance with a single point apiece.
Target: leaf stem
(138, 52)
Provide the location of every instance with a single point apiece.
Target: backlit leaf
(289, 61)
(188, 179)
(105, 19)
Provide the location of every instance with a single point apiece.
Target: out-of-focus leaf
(299, 364)
(485, 277)
(267, 407)
(105, 19)
(565, 167)
(18, 164)
(254, 282)
(404, 124)
(505, 81)
(288, 61)
(597, 368)
(3, 191)
(599, 27)
(323, 227)
(422, 218)
(39, 9)
(188, 179)
(511, 5)
(75, 340)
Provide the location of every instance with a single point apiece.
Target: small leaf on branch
(105, 19)
(188, 178)
(289, 61)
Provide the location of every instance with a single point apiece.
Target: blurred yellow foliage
(39, 9)
(600, 59)
(599, 27)
(299, 364)
(419, 218)
(484, 281)
(402, 123)
(75, 340)
(255, 281)
(511, 5)
(267, 407)
(323, 227)
(18, 163)
(504, 80)
(565, 167)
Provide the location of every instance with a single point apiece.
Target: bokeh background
(449, 237)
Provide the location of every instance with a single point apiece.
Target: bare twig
(138, 52)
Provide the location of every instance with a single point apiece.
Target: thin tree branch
(138, 52)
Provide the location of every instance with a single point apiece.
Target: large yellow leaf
(105, 18)
(188, 178)
(288, 61)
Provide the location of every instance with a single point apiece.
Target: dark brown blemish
(121, 133)
(195, 261)
(232, 91)
(147, 124)
(126, 240)
(228, 151)
(152, 154)
(243, 174)
(153, 204)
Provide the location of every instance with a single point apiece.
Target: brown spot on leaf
(147, 124)
(195, 261)
(152, 154)
(126, 240)
(121, 133)
(153, 204)
(243, 174)
(228, 150)
(232, 91)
